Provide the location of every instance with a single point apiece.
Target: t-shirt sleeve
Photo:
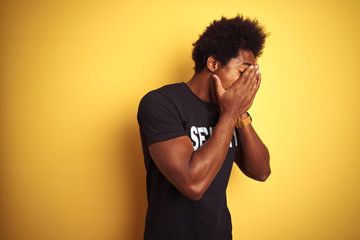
(159, 118)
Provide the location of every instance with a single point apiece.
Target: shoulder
(166, 91)
(161, 101)
(158, 115)
(164, 96)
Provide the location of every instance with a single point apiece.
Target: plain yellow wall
(72, 75)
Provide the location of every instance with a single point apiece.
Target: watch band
(243, 122)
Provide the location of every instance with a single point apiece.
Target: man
(193, 132)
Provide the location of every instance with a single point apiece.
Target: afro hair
(225, 37)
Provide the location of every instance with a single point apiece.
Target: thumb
(218, 86)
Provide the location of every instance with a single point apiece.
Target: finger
(257, 85)
(243, 77)
(252, 77)
(259, 78)
(251, 82)
(218, 86)
(254, 84)
(247, 73)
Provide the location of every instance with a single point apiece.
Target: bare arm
(192, 172)
(252, 157)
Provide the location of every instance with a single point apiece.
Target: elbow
(265, 171)
(194, 192)
(195, 197)
(263, 176)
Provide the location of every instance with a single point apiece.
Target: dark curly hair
(225, 37)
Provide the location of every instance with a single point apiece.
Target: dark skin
(233, 88)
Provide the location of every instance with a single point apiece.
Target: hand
(239, 97)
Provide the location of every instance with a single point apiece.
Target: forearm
(192, 172)
(253, 157)
(205, 163)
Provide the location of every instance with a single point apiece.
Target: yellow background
(73, 72)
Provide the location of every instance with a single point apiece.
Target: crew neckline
(191, 94)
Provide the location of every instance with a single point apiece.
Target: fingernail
(252, 67)
(257, 71)
(256, 66)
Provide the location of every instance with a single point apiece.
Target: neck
(202, 85)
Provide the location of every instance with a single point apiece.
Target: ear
(212, 64)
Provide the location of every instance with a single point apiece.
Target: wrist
(229, 116)
(243, 121)
(244, 115)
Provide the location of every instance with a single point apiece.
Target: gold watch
(243, 122)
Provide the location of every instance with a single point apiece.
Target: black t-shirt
(169, 112)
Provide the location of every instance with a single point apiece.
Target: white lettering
(211, 130)
(235, 138)
(201, 136)
(194, 131)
